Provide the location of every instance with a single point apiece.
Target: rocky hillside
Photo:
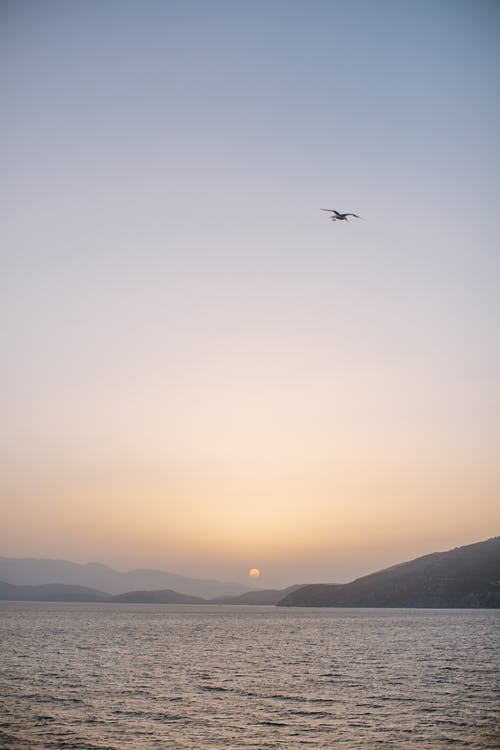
(462, 577)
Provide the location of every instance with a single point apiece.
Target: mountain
(51, 592)
(315, 593)
(463, 577)
(265, 596)
(166, 596)
(30, 571)
(61, 592)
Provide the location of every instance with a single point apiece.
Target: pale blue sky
(183, 329)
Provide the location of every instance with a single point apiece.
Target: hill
(30, 571)
(51, 592)
(60, 592)
(165, 596)
(263, 597)
(463, 577)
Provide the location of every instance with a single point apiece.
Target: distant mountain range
(462, 577)
(165, 596)
(266, 596)
(50, 592)
(61, 592)
(27, 571)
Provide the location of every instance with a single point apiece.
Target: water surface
(138, 677)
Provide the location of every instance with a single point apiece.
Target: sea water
(138, 677)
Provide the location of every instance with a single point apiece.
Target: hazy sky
(200, 372)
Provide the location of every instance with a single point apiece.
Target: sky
(199, 371)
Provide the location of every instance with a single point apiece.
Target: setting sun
(254, 572)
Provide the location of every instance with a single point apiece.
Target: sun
(254, 572)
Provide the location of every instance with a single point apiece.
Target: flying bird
(336, 216)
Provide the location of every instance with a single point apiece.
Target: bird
(336, 216)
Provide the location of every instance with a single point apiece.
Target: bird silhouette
(336, 216)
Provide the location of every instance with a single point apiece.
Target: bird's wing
(331, 210)
(356, 215)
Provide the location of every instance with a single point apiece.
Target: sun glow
(254, 573)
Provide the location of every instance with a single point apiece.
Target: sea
(150, 677)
